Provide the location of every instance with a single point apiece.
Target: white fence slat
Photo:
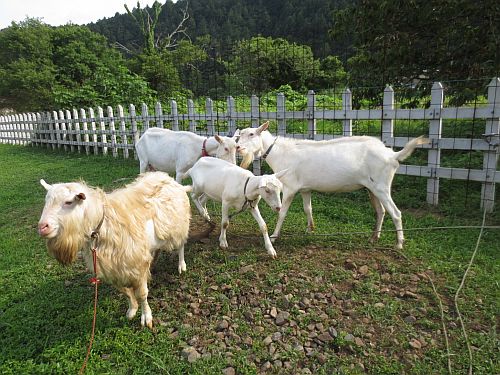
(135, 133)
(434, 154)
(78, 135)
(191, 115)
(112, 128)
(70, 127)
(175, 115)
(123, 131)
(86, 138)
(280, 114)
(231, 110)
(346, 107)
(158, 115)
(145, 116)
(209, 113)
(387, 123)
(311, 120)
(102, 128)
(93, 131)
(254, 111)
(57, 131)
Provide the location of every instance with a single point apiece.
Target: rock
(246, 269)
(278, 364)
(222, 325)
(282, 318)
(359, 342)
(409, 294)
(248, 340)
(333, 332)
(325, 337)
(190, 354)
(415, 344)
(266, 366)
(273, 312)
(363, 270)
(276, 336)
(268, 340)
(349, 337)
(410, 319)
(229, 371)
(350, 265)
(385, 277)
(379, 305)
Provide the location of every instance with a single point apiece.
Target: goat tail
(410, 147)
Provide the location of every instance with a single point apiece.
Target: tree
(406, 43)
(47, 67)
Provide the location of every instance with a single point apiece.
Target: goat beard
(247, 160)
(65, 246)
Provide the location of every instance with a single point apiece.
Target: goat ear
(263, 127)
(218, 139)
(45, 185)
(236, 135)
(280, 174)
(81, 196)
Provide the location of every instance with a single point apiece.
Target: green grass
(46, 309)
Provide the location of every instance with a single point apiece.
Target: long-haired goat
(133, 223)
(344, 164)
(177, 151)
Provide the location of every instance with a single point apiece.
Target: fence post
(209, 113)
(231, 109)
(435, 131)
(254, 111)
(112, 129)
(158, 115)
(145, 117)
(191, 114)
(135, 133)
(280, 113)
(104, 138)
(86, 139)
(175, 115)
(123, 132)
(347, 106)
(23, 128)
(57, 131)
(93, 128)
(311, 107)
(388, 123)
(77, 130)
(490, 157)
(31, 120)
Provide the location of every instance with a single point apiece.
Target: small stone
(385, 276)
(276, 336)
(410, 294)
(363, 270)
(325, 337)
(268, 340)
(379, 305)
(229, 371)
(415, 344)
(190, 354)
(222, 325)
(410, 319)
(282, 318)
(278, 364)
(266, 366)
(273, 312)
(349, 337)
(359, 342)
(67, 283)
(333, 332)
(350, 265)
(246, 269)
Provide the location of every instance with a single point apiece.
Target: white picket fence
(84, 131)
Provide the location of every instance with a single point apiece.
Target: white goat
(133, 223)
(343, 164)
(236, 188)
(177, 151)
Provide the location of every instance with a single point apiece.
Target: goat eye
(251, 134)
(68, 203)
(227, 150)
(268, 191)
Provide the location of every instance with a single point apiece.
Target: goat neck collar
(204, 149)
(269, 149)
(248, 202)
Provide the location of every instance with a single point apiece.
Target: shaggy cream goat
(134, 222)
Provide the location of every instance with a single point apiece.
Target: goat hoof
(147, 320)
(131, 313)
(399, 246)
(182, 267)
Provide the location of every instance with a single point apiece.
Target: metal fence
(473, 129)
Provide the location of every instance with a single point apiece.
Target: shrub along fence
(473, 129)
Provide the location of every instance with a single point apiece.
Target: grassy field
(327, 304)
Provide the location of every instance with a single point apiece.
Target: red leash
(95, 281)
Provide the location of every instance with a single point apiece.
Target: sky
(60, 12)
